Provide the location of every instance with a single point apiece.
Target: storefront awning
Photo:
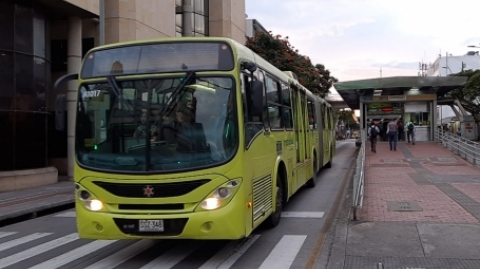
(351, 91)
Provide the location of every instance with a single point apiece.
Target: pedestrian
(401, 131)
(392, 132)
(410, 132)
(373, 132)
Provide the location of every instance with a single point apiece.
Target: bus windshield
(156, 125)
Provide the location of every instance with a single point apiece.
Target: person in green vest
(410, 132)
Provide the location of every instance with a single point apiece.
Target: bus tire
(274, 219)
(311, 182)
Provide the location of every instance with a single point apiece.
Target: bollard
(379, 265)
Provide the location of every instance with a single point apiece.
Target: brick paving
(470, 189)
(388, 179)
(425, 150)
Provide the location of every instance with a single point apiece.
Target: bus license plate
(150, 226)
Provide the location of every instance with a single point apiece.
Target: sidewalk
(421, 209)
(27, 203)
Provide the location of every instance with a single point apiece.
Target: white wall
(454, 64)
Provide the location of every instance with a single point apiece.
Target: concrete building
(253, 26)
(41, 40)
(448, 64)
(445, 66)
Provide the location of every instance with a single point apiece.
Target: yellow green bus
(196, 138)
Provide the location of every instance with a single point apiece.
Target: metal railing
(466, 149)
(359, 176)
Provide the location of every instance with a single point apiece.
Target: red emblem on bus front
(148, 191)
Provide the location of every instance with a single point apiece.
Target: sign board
(397, 98)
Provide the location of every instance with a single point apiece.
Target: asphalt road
(51, 242)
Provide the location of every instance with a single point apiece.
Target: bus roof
(241, 53)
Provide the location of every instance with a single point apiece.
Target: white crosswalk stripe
(172, 257)
(20, 256)
(82, 253)
(123, 255)
(284, 253)
(5, 234)
(73, 254)
(225, 259)
(22, 240)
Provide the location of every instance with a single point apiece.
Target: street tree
(279, 52)
(469, 94)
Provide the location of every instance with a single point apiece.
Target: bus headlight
(221, 195)
(94, 205)
(90, 202)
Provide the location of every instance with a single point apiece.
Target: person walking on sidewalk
(392, 132)
(373, 132)
(410, 132)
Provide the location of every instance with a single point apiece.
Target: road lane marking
(5, 234)
(303, 214)
(224, 259)
(175, 255)
(26, 254)
(123, 255)
(22, 240)
(284, 253)
(73, 254)
(68, 214)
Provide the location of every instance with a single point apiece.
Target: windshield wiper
(190, 75)
(113, 83)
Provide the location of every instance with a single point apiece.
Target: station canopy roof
(352, 90)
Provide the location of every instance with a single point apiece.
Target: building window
(24, 84)
(199, 18)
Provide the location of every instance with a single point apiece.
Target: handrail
(359, 176)
(466, 149)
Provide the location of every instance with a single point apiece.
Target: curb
(36, 211)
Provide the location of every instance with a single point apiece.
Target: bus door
(312, 128)
(305, 127)
(297, 124)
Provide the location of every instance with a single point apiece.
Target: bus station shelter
(406, 98)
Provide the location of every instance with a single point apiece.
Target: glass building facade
(199, 18)
(24, 84)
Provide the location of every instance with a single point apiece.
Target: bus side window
(324, 116)
(252, 125)
(311, 115)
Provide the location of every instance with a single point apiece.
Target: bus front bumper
(222, 223)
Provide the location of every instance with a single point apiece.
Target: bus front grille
(262, 196)
(151, 206)
(154, 190)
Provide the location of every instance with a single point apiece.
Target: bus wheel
(274, 219)
(329, 164)
(311, 183)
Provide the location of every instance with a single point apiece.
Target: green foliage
(280, 53)
(469, 94)
(345, 115)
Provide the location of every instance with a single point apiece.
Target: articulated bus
(196, 138)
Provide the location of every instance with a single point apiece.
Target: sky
(355, 39)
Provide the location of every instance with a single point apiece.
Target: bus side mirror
(63, 79)
(256, 97)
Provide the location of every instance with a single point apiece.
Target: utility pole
(446, 64)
